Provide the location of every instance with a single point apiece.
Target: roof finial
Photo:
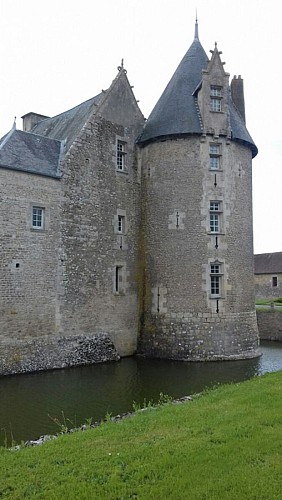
(196, 28)
(121, 67)
(14, 124)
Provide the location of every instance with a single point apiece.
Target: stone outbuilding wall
(270, 324)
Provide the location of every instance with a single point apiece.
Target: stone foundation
(201, 337)
(31, 355)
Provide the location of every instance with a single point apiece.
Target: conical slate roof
(175, 111)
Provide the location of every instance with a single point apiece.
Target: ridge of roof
(66, 126)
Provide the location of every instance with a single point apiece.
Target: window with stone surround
(37, 218)
(215, 213)
(120, 155)
(216, 98)
(118, 280)
(121, 224)
(215, 156)
(216, 279)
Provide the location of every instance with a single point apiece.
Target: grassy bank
(225, 444)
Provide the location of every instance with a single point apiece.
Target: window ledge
(124, 172)
(214, 233)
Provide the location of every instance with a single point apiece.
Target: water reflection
(28, 401)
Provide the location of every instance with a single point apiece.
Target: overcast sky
(56, 54)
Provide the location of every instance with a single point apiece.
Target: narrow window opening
(215, 280)
(215, 156)
(215, 214)
(158, 305)
(274, 281)
(121, 224)
(118, 271)
(120, 155)
(177, 219)
(17, 265)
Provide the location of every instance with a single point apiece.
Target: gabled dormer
(213, 97)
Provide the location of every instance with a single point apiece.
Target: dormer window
(216, 98)
(216, 91)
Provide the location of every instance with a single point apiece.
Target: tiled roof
(67, 125)
(30, 153)
(268, 263)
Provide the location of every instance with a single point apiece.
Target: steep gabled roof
(31, 153)
(268, 263)
(66, 126)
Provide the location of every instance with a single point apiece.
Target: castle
(122, 235)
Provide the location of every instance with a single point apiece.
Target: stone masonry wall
(29, 257)
(264, 288)
(95, 194)
(48, 353)
(270, 324)
(180, 315)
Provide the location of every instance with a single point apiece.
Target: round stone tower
(197, 244)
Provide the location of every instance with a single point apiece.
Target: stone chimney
(31, 119)
(237, 93)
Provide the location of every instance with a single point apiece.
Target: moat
(30, 402)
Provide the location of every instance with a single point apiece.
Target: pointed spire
(196, 37)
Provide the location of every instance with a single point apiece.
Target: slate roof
(239, 131)
(67, 125)
(30, 153)
(176, 111)
(268, 263)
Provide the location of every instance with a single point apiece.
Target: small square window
(120, 155)
(37, 218)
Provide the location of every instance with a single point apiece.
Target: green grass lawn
(225, 444)
(268, 302)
